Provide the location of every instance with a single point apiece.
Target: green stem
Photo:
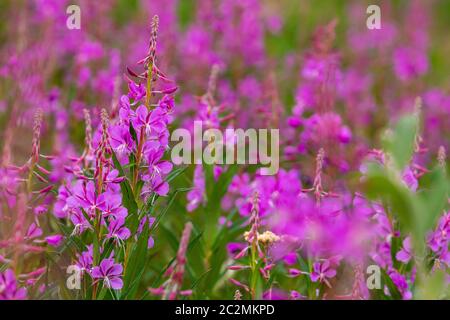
(254, 275)
(149, 85)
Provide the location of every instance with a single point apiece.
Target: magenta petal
(141, 112)
(403, 256)
(407, 244)
(113, 174)
(165, 167)
(116, 283)
(101, 202)
(330, 273)
(116, 270)
(294, 272)
(106, 264)
(316, 267)
(162, 189)
(54, 240)
(95, 273)
(314, 276)
(90, 192)
(124, 233)
(34, 231)
(151, 243)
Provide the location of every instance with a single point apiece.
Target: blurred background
(44, 63)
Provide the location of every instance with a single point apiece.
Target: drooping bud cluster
(317, 187)
(36, 136)
(257, 251)
(151, 58)
(442, 157)
(88, 134)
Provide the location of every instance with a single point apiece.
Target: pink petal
(116, 283)
(403, 256)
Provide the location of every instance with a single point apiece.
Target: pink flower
(158, 166)
(120, 139)
(8, 287)
(322, 271)
(410, 63)
(117, 230)
(404, 255)
(85, 196)
(110, 273)
(410, 179)
(85, 259)
(54, 240)
(149, 121)
(33, 231)
(196, 196)
(155, 184)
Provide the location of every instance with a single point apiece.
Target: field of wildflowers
(94, 205)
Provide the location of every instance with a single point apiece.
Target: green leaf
(107, 249)
(169, 237)
(379, 184)
(433, 199)
(395, 294)
(215, 191)
(171, 200)
(175, 173)
(433, 287)
(135, 263)
(133, 133)
(401, 144)
(71, 241)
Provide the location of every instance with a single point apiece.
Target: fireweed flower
(95, 203)
(409, 179)
(117, 231)
(401, 283)
(112, 180)
(155, 184)
(404, 255)
(148, 121)
(40, 210)
(54, 240)
(136, 91)
(113, 205)
(8, 185)
(196, 196)
(211, 116)
(439, 239)
(410, 63)
(33, 232)
(79, 221)
(85, 196)
(257, 249)
(121, 140)
(9, 289)
(85, 260)
(158, 166)
(110, 273)
(295, 295)
(322, 271)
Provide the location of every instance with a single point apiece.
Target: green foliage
(416, 212)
